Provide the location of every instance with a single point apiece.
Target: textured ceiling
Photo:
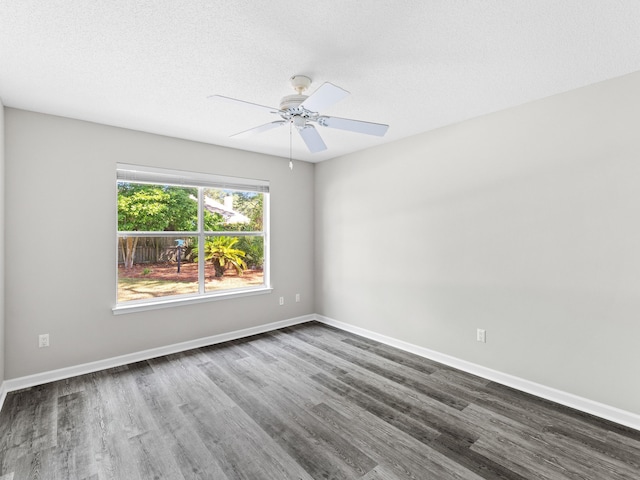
(413, 64)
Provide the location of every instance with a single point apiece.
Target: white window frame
(161, 176)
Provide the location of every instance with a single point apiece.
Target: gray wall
(2, 230)
(61, 209)
(525, 223)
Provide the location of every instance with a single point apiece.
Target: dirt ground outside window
(144, 281)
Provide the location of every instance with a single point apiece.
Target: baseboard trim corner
(576, 402)
(3, 393)
(73, 371)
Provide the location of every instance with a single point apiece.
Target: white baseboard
(597, 409)
(3, 393)
(607, 412)
(68, 372)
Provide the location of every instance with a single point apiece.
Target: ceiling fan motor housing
(291, 102)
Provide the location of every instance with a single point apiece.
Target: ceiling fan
(302, 112)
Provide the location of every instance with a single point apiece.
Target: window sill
(174, 302)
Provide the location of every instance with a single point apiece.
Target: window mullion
(235, 233)
(201, 240)
(138, 233)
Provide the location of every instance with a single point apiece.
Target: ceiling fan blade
(243, 103)
(378, 129)
(259, 129)
(325, 96)
(312, 138)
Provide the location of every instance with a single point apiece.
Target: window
(188, 237)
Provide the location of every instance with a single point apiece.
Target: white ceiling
(413, 64)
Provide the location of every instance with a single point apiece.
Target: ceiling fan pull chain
(290, 147)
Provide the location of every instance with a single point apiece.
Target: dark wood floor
(301, 403)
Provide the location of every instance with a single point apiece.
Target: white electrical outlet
(43, 340)
(281, 300)
(481, 335)
(297, 297)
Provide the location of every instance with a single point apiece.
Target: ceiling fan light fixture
(299, 122)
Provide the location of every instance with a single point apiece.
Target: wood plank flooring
(306, 402)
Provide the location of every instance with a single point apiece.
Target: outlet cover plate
(481, 335)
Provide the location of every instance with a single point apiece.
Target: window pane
(233, 262)
(157, 208)
(227, 210)
(150, 267)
